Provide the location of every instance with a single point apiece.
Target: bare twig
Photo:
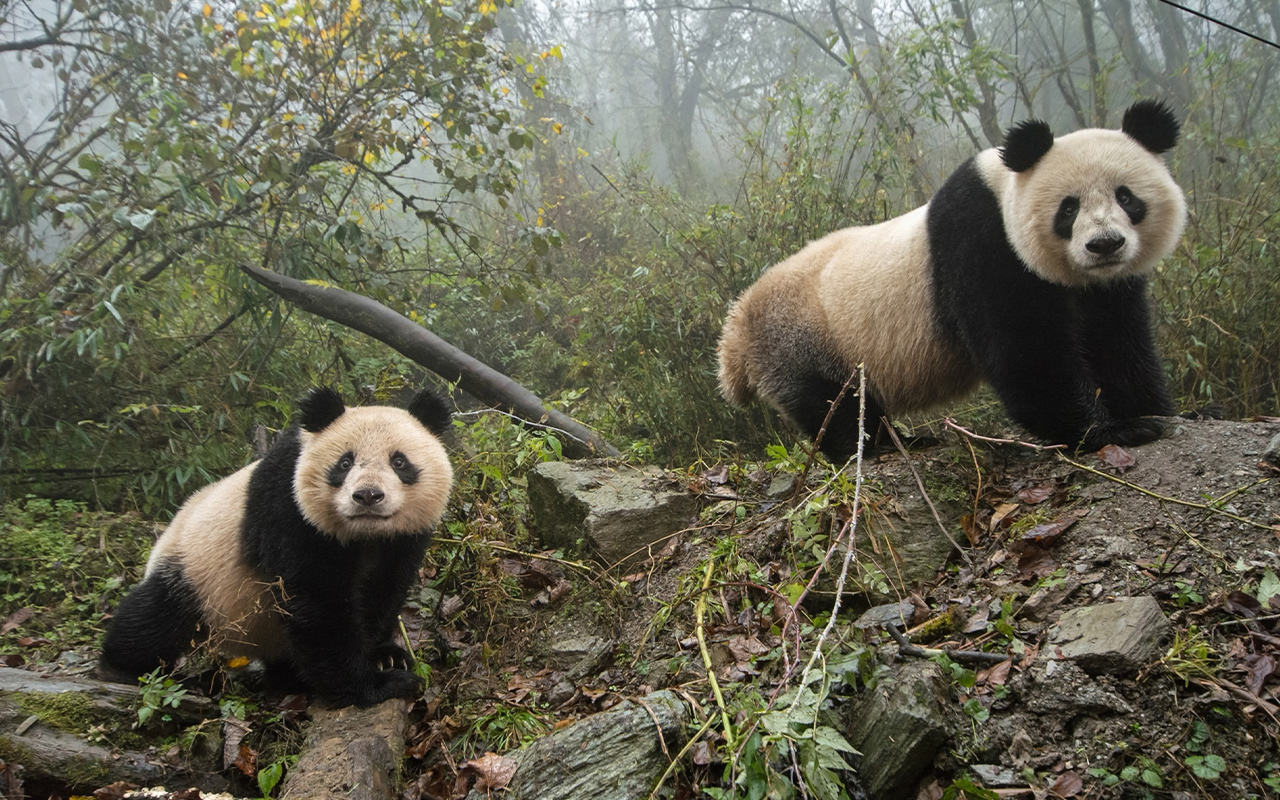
(1210, 507)
(893, 434)
(700, 609)
(1037, 447)
(906, 648)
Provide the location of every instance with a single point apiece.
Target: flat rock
(898, 728)
(618, 754)
(618, 512)
(899, 614)
(1119, 637)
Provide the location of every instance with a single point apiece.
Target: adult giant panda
(303, 558)
(1027, 269)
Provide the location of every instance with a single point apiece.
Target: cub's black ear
(431, 410)
(1025, 144)
(1152, 124)
(319, 409)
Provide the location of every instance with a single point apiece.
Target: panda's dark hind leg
(808, 403)
(152, 627)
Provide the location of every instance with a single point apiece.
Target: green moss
(70, 712)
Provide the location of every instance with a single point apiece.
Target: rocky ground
(1100, 625)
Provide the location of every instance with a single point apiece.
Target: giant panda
(302, 559)
(1026, 269)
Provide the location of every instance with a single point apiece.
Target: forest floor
(520, 640)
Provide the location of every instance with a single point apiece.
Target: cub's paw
(1123, 432)
(388, 684)
(390, 656)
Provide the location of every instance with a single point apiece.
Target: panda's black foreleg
(807, 403)
(386, 582)
(154, 625)
(331, 646)
(1121, 351)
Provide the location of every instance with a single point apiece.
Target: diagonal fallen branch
(424, 347)
(906, 648)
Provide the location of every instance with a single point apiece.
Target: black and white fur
(1027, 270)
(302, 559)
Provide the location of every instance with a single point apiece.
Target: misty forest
(543, 209)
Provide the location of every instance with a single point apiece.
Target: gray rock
(1272, 454)
(617, 511)
(1119, 637)
(615, 755)
(898, 728)
(899, 614)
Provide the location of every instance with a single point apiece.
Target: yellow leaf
(207, 10)
(237, 662)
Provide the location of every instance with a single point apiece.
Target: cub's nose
(368, 497)
(1104, 245)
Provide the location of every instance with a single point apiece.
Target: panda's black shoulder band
(1025, 144)
(1152, 124)
(431, 410)
(319, 409)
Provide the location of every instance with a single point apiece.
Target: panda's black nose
(1105, 245)
(368, 497)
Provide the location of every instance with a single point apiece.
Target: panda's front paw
(388, 684)
(1123, 432)
(390, 656)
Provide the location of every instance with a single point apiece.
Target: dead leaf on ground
(1116, 457)
(743, 648)
(451, 607)
(247, 760)
(17, 618)
(233, 733)
(997, 675)
(1261, 669)
(1068, 784)
(1033, 495)
(1035, 562)
(114, 791)
(1001, 514)
(492, 771)
(1046, 534)
(33, 641)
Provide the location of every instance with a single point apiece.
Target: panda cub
(303, 558)
(1027, 270)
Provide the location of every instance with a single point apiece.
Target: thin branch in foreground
(906, 648)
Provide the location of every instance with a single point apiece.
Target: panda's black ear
(1152, 124)
(319, 409)
(431, 410)
(1025, 144)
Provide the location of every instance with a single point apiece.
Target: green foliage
(270, 775)
(502, 727)
(157, 691)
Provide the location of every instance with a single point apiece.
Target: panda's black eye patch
(338, 472)
(1133, 205)
(404, 468)
(1065, 219)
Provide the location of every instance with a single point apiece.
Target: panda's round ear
(431, 410)
(1025, 144)
(1152, 124)
(319, 409)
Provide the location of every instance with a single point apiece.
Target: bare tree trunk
(424, 347)
(1097, 87)
(1173, 45)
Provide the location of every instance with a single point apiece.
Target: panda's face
(373, 471)
(1092, 206)
(1097, 207)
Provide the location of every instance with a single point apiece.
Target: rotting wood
(350, 753)
(424, 347)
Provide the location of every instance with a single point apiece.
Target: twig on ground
(893, 434)
(961, 429)
(1209, 507)
(906, 648)
(700, 609)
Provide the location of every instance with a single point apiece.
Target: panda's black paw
(384, 685)
(1123, 432)
(390, 656)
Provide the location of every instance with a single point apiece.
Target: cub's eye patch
(1133, 205)
(404, 468)
(1065, 219)
(338, 472)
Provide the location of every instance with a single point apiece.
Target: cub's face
(1096, 207)
(373, 471)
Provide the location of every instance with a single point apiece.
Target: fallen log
(424, 347)
(350, 754)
